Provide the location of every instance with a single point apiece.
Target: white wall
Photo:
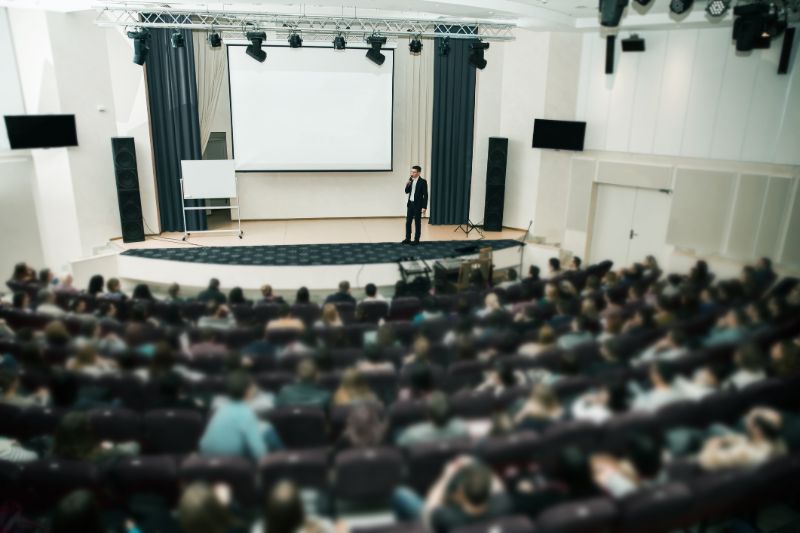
(20, 227)
(691, 94)
(359, 194)
(10, 93)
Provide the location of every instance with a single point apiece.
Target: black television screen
(558, 134)
(41, 131)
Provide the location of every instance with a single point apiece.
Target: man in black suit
(417, 191)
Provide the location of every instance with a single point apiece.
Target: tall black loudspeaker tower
(127, 177)
(495, 184)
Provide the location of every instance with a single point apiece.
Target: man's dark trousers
(413, 213)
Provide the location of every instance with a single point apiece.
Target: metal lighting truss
(313, 27)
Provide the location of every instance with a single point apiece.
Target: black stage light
(634, 43)
(177, 39)
(374, 53)
(476, 56)
(756, 24)
(295, 41)
(141, 47)
(679, 7)
(611, 12)
(415, 45)
(444, 46)
(339, 43)
(717, 8)
(215, 40)
(254, 49)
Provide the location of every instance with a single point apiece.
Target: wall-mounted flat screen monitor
(41, 131)
(558, 134)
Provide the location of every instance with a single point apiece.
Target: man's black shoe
(405, 241)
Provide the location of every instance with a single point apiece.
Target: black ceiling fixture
(374, 53)
(476, 58)
(254, 49)
(415, 45)
(717, 8)
(295, 41)
(141, 45)
(679, 7)
(339, 43)
(611, 12)
(177, 39)
(214, 39)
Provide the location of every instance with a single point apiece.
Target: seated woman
(762, 442)
(641, 467)
(87, 361)
(330, 318)
(539, 411)
(353, 389)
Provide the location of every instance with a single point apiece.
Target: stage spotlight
(757, 23)
(295, 41)
(415, 45)
(141, 47)
(444, 46)
(215, 40)
(679, 7)
(717, 8)
(374, 53)
(254, 49)
(611, 12)
(339, 43)
(634, 43)
(177, 39)
(476, 56)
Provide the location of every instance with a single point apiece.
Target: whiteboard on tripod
(209, 179)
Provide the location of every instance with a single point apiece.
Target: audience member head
(354, 385)
(366, 425)
(174, 291)
(749, 357)
(22, 273)
(56, 334)
(475, 487)
(555, 265)
(45, 277)
(785, 358)
(236, 296)
(201, 511)
(74, 438)
(266, 291)
(764, 425)
(112, 285)
(302, 296)
(213, 284)
(239, 386)
(533, 273)
(491, 302)
(547, 335)
(96, 283)
(283, 512)
(574, 471)
(371, 290)
(344, 287)
(575, 263)
(142, 292)
(307, 371)
(422, 347)
(420, 380)
(438, 408)
(400, 289)
(330, 316)
(77, 511)
(512, 275)
(644, 453)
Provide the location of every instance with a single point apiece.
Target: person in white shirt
(48, 304)
(371, 292)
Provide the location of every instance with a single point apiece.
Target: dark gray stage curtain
(453, 120)
(174, 125)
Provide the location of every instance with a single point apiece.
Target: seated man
(342, 296)
(440, 426)
(234, 429)
(305, 391)
(285, 320)
(466, 493)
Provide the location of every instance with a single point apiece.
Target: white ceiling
(550, 14)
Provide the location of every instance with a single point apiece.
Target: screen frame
(550, 120)
(311, 171)
(70, 116)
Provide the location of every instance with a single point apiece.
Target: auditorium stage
(285, 255)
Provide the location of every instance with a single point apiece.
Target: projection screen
(311, 109)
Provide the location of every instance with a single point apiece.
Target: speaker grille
(127, 180)
(495, 184)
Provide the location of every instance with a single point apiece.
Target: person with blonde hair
(330, 317)
(353, 389)
(86, 361)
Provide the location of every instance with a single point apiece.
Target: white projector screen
(311, 109)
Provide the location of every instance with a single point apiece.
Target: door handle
(633, 234)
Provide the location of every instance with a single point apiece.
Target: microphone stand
(522, 244)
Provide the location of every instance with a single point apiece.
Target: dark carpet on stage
(320, 254)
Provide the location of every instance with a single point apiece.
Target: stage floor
(311, 231)
(149, 265)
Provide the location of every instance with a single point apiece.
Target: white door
(613, 217)
(650, 220)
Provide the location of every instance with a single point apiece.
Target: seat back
(175, 431)
(426, 461)
(593, 515)
(367, 475)
(300, 426)
(236, 472)
(307, 469)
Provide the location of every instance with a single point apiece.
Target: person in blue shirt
(234, 429)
